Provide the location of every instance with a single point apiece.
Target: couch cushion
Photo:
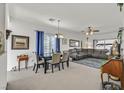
(100, 53)
(78, 50)
(72, 50)
(103, 56)
(85, 51)
(90, 51)
(82, 53)
(96, 53)
(73, 55)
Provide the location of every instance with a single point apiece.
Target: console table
(22, 58)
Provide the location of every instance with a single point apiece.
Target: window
(104, 43)
(49, 44)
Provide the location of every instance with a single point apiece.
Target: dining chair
(55, 61)
(65, 59)
(38, 61)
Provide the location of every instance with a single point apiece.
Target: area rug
(91, 62)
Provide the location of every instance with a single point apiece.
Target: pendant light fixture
(58, 34)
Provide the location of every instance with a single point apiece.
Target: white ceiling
(74, 17)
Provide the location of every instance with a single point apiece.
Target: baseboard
(21, 68)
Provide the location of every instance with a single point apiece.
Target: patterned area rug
(92, 62)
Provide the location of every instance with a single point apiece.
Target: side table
(22, 58)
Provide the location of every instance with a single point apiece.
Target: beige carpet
(76, 77)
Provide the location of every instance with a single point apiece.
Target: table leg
(26, 63)
(19, 65)
(67, 63)
(45, 67)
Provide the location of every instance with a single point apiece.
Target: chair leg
(55, 65)
(52, 69)
(37, 68)
(43, 65)
(59, 66)
(62, 65)
(102, 80)
(67, 63)
(34, 67)
(108, 77)
(47, 65)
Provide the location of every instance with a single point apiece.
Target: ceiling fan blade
(95, 30)
(83, 31)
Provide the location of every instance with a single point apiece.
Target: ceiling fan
(90, 31)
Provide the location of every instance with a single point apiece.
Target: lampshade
(56, 35)
(59, 36)
(87, 33)
(91, 33)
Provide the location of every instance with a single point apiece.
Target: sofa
(77, 54)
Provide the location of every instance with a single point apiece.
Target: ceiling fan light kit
(87, 33)
(90, 31)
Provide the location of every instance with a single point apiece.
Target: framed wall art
(20, 42)
(74, 43)
(2, 44)
(64, 41)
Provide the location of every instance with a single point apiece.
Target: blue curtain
(58, 45)
(40, 43)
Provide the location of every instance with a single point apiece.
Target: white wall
(20, 27)
(3, 62)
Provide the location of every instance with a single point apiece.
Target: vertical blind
(49, 44)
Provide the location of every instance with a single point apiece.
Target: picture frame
(2, 43)
(74, 43)
(64, 41)
(20, 42)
